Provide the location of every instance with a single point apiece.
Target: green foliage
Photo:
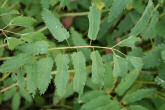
(120, 66)
(97, 68)
(142, 23)
(137, 95)
(16, 101)
(129, 42)
(82, 54)
(94, 22)
(11, 66)
(117, 8)
(126, 82)
(23, 21)
(55, 26)
(80, 72)
(44, 67)
(13, 42)
(39, 47)
(62, 75)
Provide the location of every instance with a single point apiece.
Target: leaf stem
(76, 47)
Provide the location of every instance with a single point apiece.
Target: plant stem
(76, 47)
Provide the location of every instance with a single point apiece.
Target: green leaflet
(26, 95)
(153, 58)
(45, 3)
(78, 40)
(31, 77)
(80, 72)
(13, 42)
(44, 67)
(94, 22)
(117, 8)
(23, 21)
(126, 82)
(97, 68)
(163, 55)
(137, 62)
(54, 25)
(160, 81)
(11, 65)
(113, 105)
(8, 94)
(20, 78)
(62, 74)
(142, 23)
(96, 102)
(120, 66)
(129, 42)
(33, 37)
(16, 101)
(137, 95)
(39, 47)
(108, 3)
(108, 78)
(137, 107)
(88, 96)
(149, 31)
(5, 12)
(64, 3)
